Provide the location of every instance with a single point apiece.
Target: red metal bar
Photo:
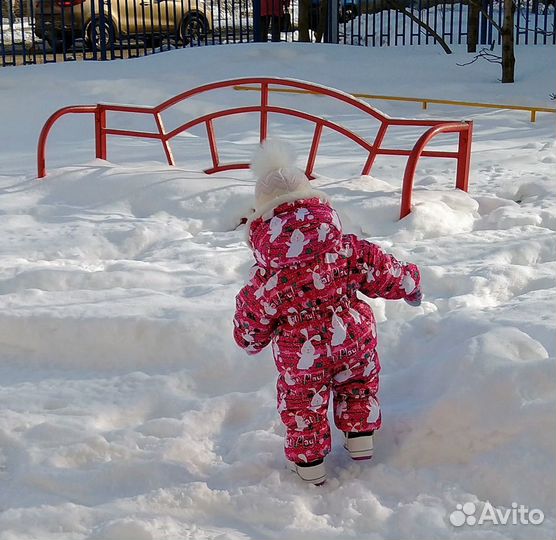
(375, 149)
(211, 116)
(314, 148)
(303, 85)
(45, 131)
(464, 158)
(277, 110)
(416, 123)
(227, 167)
(100, 132)
(264, 112)
(164, 141)
(426, 153)
(129, 133)
(212, 144)
(325, 123)
(139, 109)
(416, 153)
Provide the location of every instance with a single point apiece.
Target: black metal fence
(40, 31)
(375, 25)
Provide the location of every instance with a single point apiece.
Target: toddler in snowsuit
(301, 297)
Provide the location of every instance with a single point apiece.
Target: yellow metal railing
(424, 101)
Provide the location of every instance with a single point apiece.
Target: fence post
(100, 133)
(484, 23)
(464, 158)
(331, 35)
(257, 20)
(102, 21)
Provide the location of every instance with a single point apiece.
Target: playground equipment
(264, 108)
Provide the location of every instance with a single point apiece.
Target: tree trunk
(303, 23)
(323, 21)
(508, 58)
(472, 27)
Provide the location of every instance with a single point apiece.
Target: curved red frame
(264, 108)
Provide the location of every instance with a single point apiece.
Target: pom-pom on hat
(279, 181)
(277, 176)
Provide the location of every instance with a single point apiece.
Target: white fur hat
(277, 176)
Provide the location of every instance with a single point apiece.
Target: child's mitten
(414, 299)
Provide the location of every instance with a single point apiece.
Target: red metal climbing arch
(374, 147)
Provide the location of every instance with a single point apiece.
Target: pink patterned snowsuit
(302, 297)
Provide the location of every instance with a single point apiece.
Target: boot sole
(363, 448)
(319, 481)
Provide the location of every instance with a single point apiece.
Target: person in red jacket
(272, 12)
(301, 297)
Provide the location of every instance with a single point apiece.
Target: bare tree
(472, 27)
(507, 60)
(392, 4)
(484, 54)
(475, 8)
(508, 57)
(323, 20)
(303, 21)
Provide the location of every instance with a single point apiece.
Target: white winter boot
(310, 473)
(359, 445)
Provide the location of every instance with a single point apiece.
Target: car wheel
(193, 28)
(94, 37)
(348, 13)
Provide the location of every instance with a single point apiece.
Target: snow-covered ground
(126, 410)
(16, 32)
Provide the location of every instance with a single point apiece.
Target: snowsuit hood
(295, 231)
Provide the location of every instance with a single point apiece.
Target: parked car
(57, 20)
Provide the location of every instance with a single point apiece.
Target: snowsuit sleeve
(380, 274)
(253, 321)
